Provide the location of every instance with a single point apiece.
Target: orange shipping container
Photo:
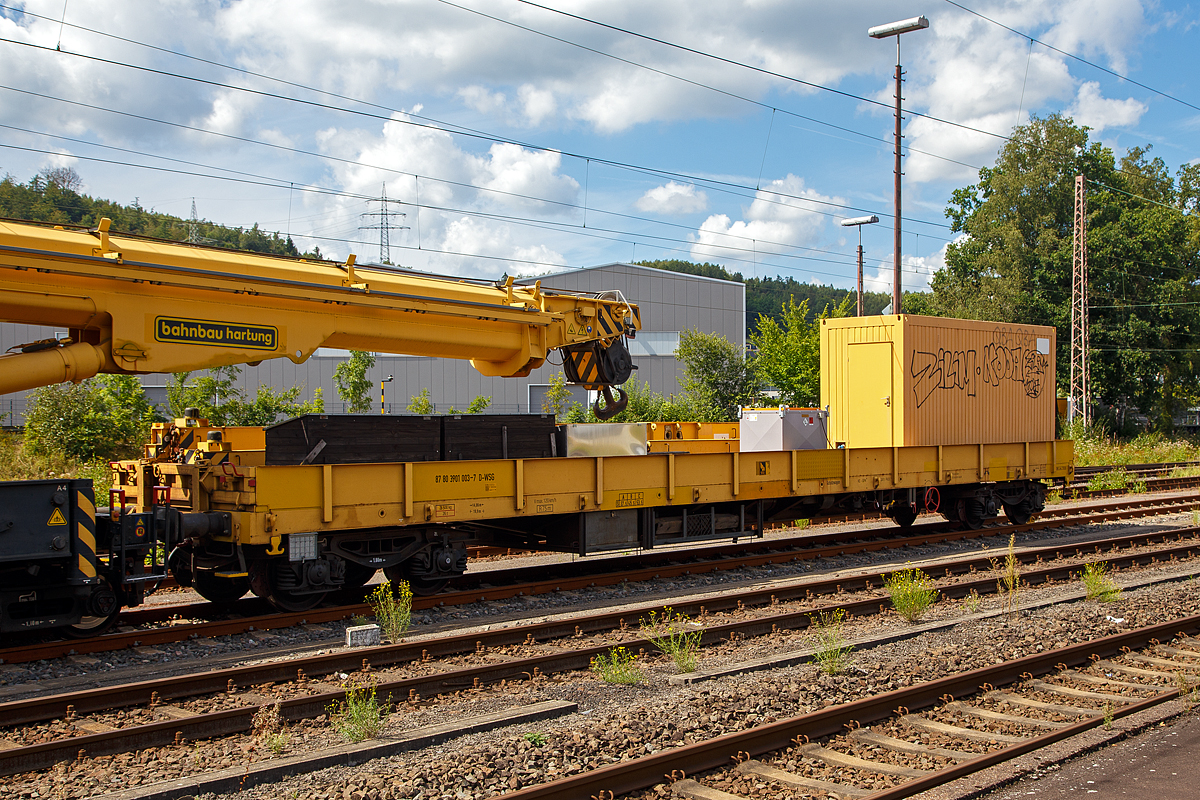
(909, 381)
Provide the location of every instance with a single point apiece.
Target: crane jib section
(135, 306)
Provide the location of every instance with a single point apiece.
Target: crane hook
(612, 406)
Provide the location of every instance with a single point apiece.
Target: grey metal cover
(602, 439)
(783, 428)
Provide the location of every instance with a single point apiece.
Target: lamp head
(853, 221)
(897, 28)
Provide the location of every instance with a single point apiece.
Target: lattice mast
(193, 236)
(1080, 377)
(383, 225)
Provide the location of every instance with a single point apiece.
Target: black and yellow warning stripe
(85, 536)
(587, 367)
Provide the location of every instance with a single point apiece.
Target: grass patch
(1098, 584)
(20, 463)
(831, 653)
(393, 609)
(360, 716)
(674, 635)
(1116, 480)
(912, 592)
(1095, 446)
(536, 738)
(1184, 472)
(618, 665)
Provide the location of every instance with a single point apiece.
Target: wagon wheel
(219, 590)
(1020, 513)
(421, 586)
(970, 513)
(357, 576)
(905, 515)
(275, 581)
(102, 613)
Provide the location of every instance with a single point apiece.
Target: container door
(869, 368)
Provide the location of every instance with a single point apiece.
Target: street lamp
(382, 396)
(858, 222)
(882, 32)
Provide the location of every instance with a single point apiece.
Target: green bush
(830, 651)
(221, 402)
(618, 665)
(107, 417)
(912, 592)
(672, 635)
(393, 609)
(1098, 585)
(361, 716)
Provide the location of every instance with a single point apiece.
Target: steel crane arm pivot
(135, 306)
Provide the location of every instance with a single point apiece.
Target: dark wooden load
(365, 439)
(480, 436)
(353, 439)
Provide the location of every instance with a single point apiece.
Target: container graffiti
(1002, 360)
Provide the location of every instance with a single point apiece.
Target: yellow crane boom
(135, 305)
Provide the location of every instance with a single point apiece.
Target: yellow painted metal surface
(140, 306)
(949, 382)
(692, 437)
(299, 499)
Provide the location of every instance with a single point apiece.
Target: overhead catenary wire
(592, 232)
(465, 131)
(280, 182)
(1080, 59)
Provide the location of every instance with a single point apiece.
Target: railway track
(169, 710)
(582, 575)
(1041, 699)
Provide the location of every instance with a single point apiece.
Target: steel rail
(221, 723)
(633, 568)
(52, 706)
(642, 773)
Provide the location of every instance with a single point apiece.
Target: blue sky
(657, 153)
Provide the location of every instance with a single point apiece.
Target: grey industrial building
(670, 303)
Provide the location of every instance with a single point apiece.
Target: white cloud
(915, 277)
(538, 104)
(480, 99)
(507, 179)
(1098, 112)
(674, 199)
(775, 221)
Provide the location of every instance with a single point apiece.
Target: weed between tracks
(618, 665)
(270, 729)
(831, 653)
(360, 716)
(1008, 585)
(1115, 480)
(1097, 583)
(912, 592)
(1187, 691)
(972, 602)
(393, 609)
(672, 635)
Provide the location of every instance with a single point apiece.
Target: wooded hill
(53, 196)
